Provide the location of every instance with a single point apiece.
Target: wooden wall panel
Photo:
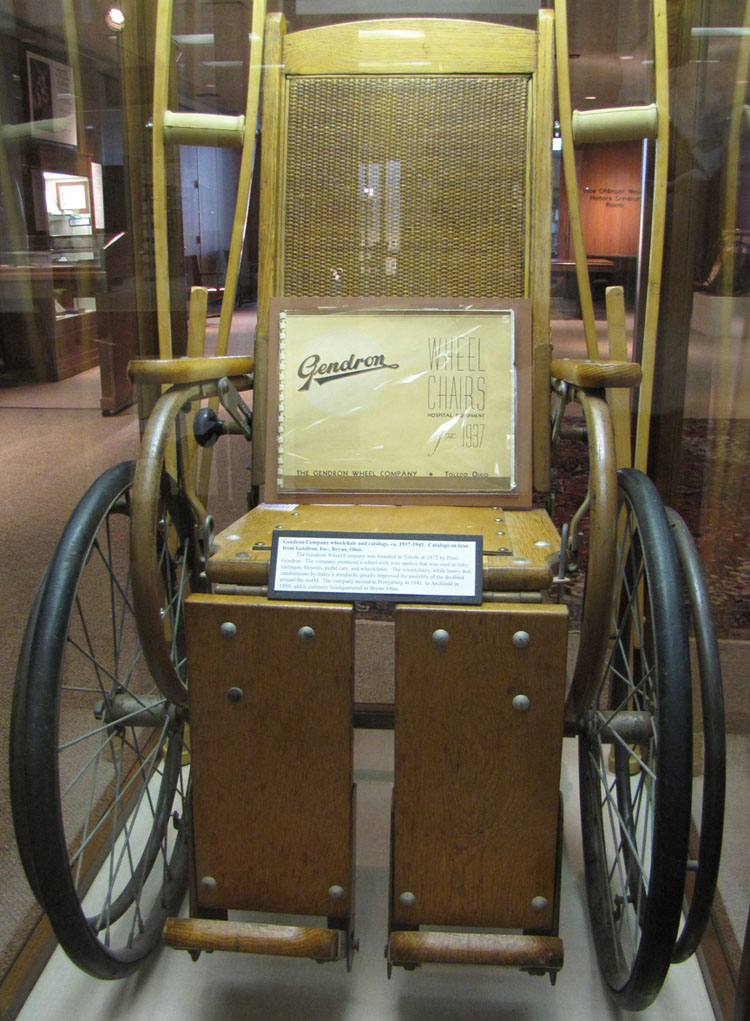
(609, 183)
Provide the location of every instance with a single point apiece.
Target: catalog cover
(381, 399)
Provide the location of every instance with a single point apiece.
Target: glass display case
(81, 269)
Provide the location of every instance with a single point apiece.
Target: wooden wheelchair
(184, 706)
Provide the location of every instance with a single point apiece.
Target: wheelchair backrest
(406, 162)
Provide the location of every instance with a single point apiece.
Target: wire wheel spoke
(106, 839)
(635, 795)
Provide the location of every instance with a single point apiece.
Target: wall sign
(51, 100)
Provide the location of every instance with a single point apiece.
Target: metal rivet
(407, 898)
(306, 634)
(232, 538)
(441, 637)
(336, 892)
(228, 629)
(235, 694)
(542, 544)
(539, 903)
(208, 884)
(521, 639)
(242, 556)
(521, 703)
(521, 560)
(499, 533)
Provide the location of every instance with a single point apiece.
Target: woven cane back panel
(406, 186)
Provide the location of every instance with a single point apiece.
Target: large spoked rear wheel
(709, 727)
(98, 752)
(635, 755)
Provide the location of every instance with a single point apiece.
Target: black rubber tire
(100, 801)
(20, 806)
(635, 827)
(706, 866)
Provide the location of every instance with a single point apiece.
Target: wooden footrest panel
(271, 738)
(543, 952)
(254, 938)
(478, 740)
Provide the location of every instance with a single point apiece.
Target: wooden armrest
(595, 375)
(187, 370)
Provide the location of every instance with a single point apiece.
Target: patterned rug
(714, 499)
